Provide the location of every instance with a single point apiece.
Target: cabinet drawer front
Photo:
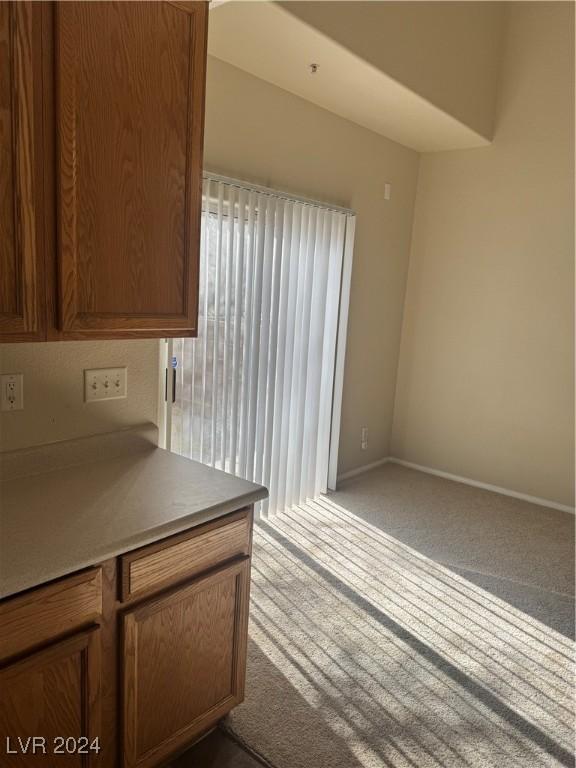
(48, 612)
(186, 650)
(189, 554)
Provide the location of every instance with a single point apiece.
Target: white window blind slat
(205, 252)
(336, 243)
(224, 356)
(217, 299)
(296, 402)
(283, 278)
(273, 345)
(303, 409)
(187, 392)
(345, 281)
(236, 353)
(284, 428)
(265, 313)
(254, 348)
(315, 350)
(248, 322)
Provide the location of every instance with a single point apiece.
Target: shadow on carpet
(363, 652)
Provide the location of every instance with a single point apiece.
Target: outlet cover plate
(105, 384)
(12, 392)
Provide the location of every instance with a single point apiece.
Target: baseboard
(477, 484)
(362, 469)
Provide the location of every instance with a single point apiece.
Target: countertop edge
(146, 537)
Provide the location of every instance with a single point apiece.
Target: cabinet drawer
(188, 554)
(48, 612)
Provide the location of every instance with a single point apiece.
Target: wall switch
(387, 191)
(105, 384)
(12, 397)
(364, 439)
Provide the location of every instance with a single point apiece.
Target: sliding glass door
(255, 391)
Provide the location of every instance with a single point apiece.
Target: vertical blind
(255, 388)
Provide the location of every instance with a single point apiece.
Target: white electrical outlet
(364, 439)
(105, 384)
(12, 394)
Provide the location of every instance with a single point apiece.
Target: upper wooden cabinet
(21, 273)
(122, 113)
(130, 95)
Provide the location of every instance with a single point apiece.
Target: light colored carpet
(366, 651)
(467, 527)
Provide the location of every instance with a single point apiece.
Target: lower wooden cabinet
(108, 669)
(50, 706)
(183, 657)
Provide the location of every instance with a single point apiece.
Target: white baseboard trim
(477, 484)
(458, 479)
(362, 469)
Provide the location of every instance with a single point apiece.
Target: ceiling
(267, 41)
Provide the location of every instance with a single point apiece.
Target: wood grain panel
(187, 650)
(21, 271)
(130, 106)
(185, 555)
(43, 614)
(8, 254)
(110, 639)
(55, 692)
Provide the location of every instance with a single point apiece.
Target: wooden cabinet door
(52, 694)
(130, 81)
(21, 275)
(184, 663)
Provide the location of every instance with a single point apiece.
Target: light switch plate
(12, 391)
(105, 384)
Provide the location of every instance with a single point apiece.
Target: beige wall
(447, 52)
(376, 48)
(485, 383)
(259, 132)
(54, 407)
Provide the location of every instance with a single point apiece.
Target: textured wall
(485, 383)
(54, 407)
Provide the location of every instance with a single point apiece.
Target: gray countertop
(80, 503)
